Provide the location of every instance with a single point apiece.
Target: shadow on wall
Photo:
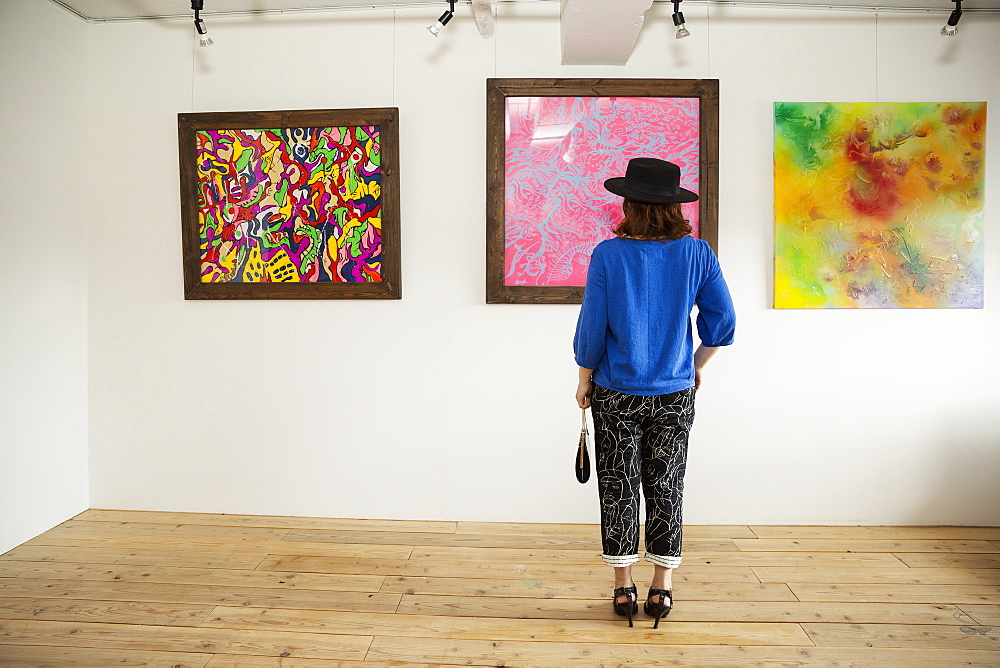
(966, 471)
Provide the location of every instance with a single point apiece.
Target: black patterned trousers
(641, 440)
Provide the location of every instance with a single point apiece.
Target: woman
(639, 372)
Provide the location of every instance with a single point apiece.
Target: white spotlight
(199, 25)
(435, 28)
(203, 38)
(678, 17)
(950, 28)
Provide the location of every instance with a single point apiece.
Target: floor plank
(152, 544)
(111, 555)
(196, 576)
(257, 641)
(873, 532)
(846, 559)
(706, 591)
(985, 615)
(177, 531)
(689, 610)
(41, 655)
(897, 593)
(924, 560)
(986, 576)
(560, 576)
(514, 653)
(905, 635)
(147, 592)
(865, 545)
(275, 521)
(230, 661)
(434, 626)
(111, 611)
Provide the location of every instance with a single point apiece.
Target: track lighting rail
(943, 9)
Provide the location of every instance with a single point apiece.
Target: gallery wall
(43, 301)
(439, 406)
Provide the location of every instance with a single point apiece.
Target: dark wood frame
(387, 118)
(707, 90)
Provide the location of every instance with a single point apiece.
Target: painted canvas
(879, 205)
(551, 145)
(288, 203)
(558, 153)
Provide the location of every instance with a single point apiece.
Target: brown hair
(652, 221)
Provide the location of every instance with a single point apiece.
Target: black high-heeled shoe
(629, 606)
(659, 609)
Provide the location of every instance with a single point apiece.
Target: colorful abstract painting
(558, 153)
(290, 205)
(879, 205)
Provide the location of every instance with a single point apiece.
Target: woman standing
(639, 370)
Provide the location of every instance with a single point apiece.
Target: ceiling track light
(435, 28)
(199, 25)
(678, 17)
(950, 28)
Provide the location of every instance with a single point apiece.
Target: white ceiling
(123, 10)
(594, 32)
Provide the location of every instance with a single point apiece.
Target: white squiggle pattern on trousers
(642, 440)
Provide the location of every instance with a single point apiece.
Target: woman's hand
(701, 357)
(584, 388)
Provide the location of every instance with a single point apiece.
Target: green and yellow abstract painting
(879, 205)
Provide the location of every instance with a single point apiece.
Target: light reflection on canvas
(879, 205)
(559, 151)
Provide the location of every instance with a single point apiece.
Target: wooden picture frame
(505, 101)
(290, 204)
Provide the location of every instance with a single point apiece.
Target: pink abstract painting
(558, 153)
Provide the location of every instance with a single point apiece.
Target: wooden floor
(129, 588)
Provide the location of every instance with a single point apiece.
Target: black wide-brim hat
(651, 180)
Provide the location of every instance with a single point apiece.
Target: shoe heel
(658, 610)
(629, 606)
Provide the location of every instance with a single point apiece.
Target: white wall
(440, 406)
(43, 274)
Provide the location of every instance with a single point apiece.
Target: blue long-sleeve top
(634, 327)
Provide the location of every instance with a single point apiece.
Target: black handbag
(581, 463)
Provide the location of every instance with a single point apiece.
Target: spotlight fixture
(950, 28)
(679, 21)
(199, 25)
(435, 28)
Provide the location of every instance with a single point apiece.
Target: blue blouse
(634, 327)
